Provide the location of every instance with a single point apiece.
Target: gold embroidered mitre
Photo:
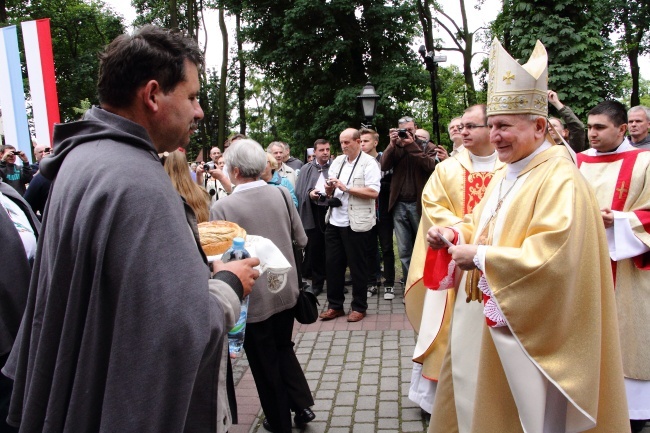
(515, 88)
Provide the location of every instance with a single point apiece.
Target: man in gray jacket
(124, 330)
(353, 185)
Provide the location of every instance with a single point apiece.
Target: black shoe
(303, 417)
(345, 290)
(267, 425)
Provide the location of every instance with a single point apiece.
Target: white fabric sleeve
(479, 259)
(622, 242)
(228, 300)
(372, 176)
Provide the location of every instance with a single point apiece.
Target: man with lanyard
(352, 187)
(453, 190)
(312, 206)
(620, 176)
(549, 357)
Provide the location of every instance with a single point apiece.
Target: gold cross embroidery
(622, 190)
(508, 77)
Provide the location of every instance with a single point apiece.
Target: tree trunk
(242, 76)
(173, 14)
(633, 57)
(3, 11)
(424, 12)
(468, 38)
(223, 106)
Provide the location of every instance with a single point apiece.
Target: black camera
(402, 133)
(331, 202)
(206, 167)
(213, 192)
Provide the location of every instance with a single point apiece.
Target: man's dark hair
(320, 141)
(151, 53)
(614, 110)
(481, 107)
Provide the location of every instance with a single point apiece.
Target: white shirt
(372, 176)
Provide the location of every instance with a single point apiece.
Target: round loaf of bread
(216, 236)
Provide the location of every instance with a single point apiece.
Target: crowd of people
(524, 255)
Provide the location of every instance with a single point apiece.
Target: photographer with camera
(11, 174)
(216, 182)
(352, 188)
(412, 161)
(312, 206)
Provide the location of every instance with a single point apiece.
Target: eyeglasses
(405, 119)
(470, 127)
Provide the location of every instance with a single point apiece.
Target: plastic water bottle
(236, 334)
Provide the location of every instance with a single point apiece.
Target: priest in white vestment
(536, 253)
(620, 176)
(455, 187)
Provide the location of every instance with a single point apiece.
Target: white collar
(515, 168)
(249, 185)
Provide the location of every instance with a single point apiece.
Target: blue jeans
(406, 220)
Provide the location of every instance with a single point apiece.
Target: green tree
(583, 67)
(320, 55)
(631, 18)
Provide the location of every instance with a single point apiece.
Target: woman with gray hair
(279, 379)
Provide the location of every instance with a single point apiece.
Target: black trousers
(382, 231)
(315, 252)
(279, 379)
(345, 247)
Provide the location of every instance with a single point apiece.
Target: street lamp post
(368, 99)
(431, 65)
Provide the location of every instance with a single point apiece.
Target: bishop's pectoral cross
(622, 190)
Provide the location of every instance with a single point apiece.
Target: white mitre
(515, 88)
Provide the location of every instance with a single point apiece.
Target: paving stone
(345, 398)
(350, 376)
(342, 411)
(366, 402)
(338, 350)
(325, 394)
(355, 347)
(391, 424)
(341, 421)
(354, 357)
(371, 368)
(362, 416)
(334, 360)
(371, 361)
(351, 387)
(389, 384)
(369, 378)
(368, 390)
(328, 385)
(363, 428)
(412, 426)
(411, 413)
(389, 409)
(391, 396)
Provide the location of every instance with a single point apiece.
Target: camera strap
(352, 172)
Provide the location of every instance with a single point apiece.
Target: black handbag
(305, 311)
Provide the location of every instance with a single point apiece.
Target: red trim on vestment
(489, 321)
(476, 184)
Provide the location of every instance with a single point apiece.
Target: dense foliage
(583, 66)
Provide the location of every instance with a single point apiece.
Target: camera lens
(402, 133)
(212, 192)
(206, 167)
